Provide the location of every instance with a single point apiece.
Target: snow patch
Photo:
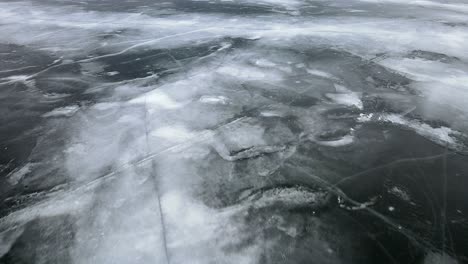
(66, 111)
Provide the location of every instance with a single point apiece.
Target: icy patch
(25, 79)
(286, 4)
(438, 258)
(244, 138)
(157, 98)
(59, 203)
(190, 217)
(8, 237)
(444, 88)
(360, 206)
(271, 114)
(105, 106)
(322, 74)
(16, 78)
(17, 175)
(247, 73)
(112, 73)
(208, 99)
(66, 111)
(400, 193)
(253, 152)
(237, 137)
(365, 117)
(264, 63)
(442, 135)
(344, 96)
(348, 99)
(113, 136)
(346, 140)
(457, 7)
(54, 97)
(292, 197)
(428, 70)
(173, 133)
(199, 234)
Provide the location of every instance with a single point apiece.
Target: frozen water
(272, 131)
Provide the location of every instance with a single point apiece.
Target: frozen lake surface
(233, 131)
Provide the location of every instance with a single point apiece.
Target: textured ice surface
(272, 131)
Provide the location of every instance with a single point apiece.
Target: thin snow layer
(443, 135)
(321, 73)
(56, 29)
(15, 176)
(290, 197)
(345, 97)
(457, 7)
(173, 125)
(66, 111)
(443, 83)
(151, 161)
(346, 140)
